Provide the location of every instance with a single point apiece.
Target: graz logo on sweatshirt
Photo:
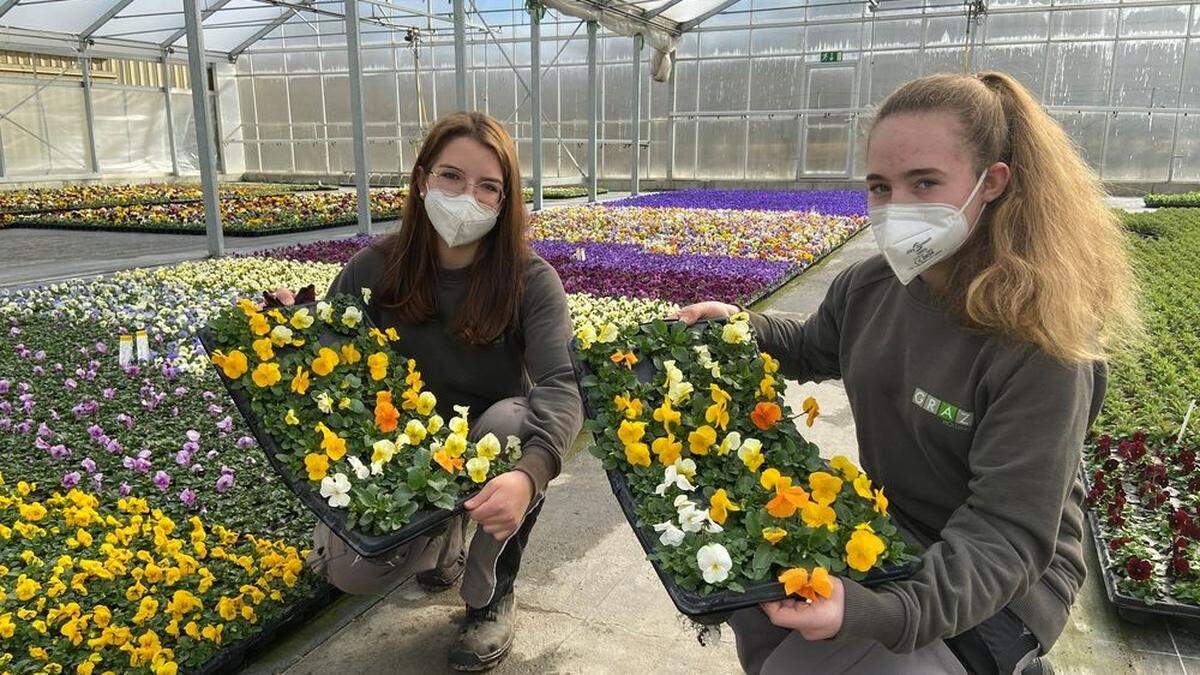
(948, 413)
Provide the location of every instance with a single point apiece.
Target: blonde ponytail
(1048, 261)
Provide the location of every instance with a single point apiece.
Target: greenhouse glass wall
(768, 91)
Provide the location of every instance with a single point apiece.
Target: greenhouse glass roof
(148, 27)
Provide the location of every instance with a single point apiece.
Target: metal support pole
(593, 104)
(204, 138)
(671, 123)
(1, 152)
(635, 164)
(460, 54)
(356, 117)
(166, 82)
(535, 91)
(85, 66)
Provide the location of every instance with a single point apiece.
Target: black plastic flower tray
(713, 608)
(423, 522)
(1128, 607)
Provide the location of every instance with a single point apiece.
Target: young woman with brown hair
(487, 321)
(972, 351)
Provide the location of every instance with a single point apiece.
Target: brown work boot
(485, 636)
(443, 576)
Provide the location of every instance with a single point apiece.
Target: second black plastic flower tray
(424, 522)
(713, 608)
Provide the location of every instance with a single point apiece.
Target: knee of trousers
(356, 575)
(504, 418)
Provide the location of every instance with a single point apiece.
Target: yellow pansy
(317, 466)
(326, 361)
(631, 432)
(586, 335)
(881, 502)
(629, 405)
(263, 349)
(416, 431)
(637, 454)
(825, 487)
(774, 534)
(281, 335)
(477, 468)
(456, 445)
(769, 478)
(847, 468)
(862, 485)
(718, 412)
(300, 381)
(770, 365)
(302, 319)
(667, 449)
(488, 447)
(667, 416)
(333, 445)
(234, 364)
(816, 514)
(382, 451)
(26, 588)
(864, 548)
(719, 506)
(32, 512)
(266, 374)
(290, 418)
(751, 454)
(426, 402)
(259, 324)
(350, 354)
(700, 440)
(378, 364)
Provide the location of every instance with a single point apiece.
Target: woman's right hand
(704, 310)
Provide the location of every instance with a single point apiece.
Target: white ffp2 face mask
(915, 237)
(458, 220)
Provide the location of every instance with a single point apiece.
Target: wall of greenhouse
(43, 129)
(751, 98)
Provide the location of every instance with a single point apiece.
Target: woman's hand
(285, 296)
(704, 310)
(501, 504)
(819, 620)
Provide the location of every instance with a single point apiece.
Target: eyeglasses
(453, 183)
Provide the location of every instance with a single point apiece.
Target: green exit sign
(831, 57)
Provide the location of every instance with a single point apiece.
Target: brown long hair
(1048, 261)
(496, 275)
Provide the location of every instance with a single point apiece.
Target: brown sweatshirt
(534, 363)
(976, 440)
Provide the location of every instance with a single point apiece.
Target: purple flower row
(828, 202)
(628, 270)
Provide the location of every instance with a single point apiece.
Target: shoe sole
(485, 664)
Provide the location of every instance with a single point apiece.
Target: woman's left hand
(501, 504)
(819, 620)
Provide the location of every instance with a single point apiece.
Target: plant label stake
(125, 353)
(1186, 418)
(143, 346)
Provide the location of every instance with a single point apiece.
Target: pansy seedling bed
(379, 477)
(1141, 507)
(647, 390)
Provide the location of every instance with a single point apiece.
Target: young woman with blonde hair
(972, 350)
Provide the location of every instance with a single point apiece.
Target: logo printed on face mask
(938, 230)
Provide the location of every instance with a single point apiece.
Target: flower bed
(1184, 199)
(1144, 490)
(1143, 497)
(694, 421)
(799, 238)
(97, 195)
(628, 270)
(561, 192)
(250, 216)
(828, 202)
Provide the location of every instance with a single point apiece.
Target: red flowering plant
(1144, 496)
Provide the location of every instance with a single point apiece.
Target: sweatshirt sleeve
(555, 410)
(1023, 461)
(807, 350)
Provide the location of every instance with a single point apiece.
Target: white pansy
(336, 489)
(281, 335)
(673, 477)
(463, 411)
(352, 317)
(325, 311)
(324, 403)
(693, 519)
(366, 295)
(714, 563)
(749, 448)
(671, 534)
(704, 358)
(360, 469)
(732, 443)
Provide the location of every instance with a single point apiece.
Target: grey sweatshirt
(976, 440)
(534, 364)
